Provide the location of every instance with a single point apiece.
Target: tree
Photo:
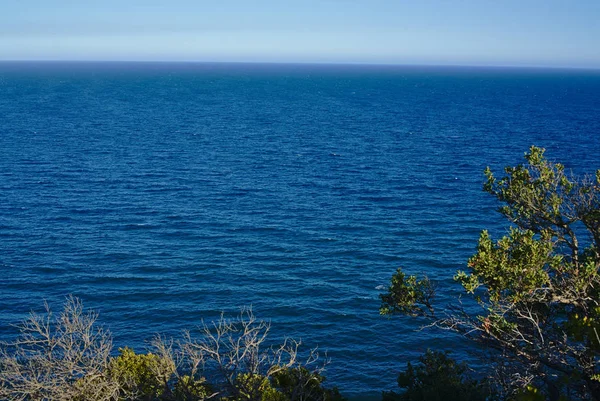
(62, 358)
(233, 353)
(68, 358)
(438, 377)
(537, 287)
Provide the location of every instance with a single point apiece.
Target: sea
(165, 194)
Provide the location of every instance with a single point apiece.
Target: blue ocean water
(163, 194)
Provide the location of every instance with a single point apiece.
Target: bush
(143, 377)
(438, 377)
(59, 358)
(299, 383)
(67, 358)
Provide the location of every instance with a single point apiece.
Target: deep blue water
(162, 194)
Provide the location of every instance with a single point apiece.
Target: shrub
(438, 377)
(67, 358)
(58, 358)
(143, 377)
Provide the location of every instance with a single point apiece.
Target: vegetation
(535, 313)
(438, 377)
(68, 357)
(58, 358)
(537, 288)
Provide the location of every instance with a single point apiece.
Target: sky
(554, 33)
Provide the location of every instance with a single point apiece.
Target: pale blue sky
(468, 32)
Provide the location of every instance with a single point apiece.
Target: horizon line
(307, 63)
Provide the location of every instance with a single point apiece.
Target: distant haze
(554, 33)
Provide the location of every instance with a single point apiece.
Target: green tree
(537, 287)
(438, 377)
(143, 377)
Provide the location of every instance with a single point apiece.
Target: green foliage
(189, 389)
(538, 286)
(407, 295)
(302, 384)
(69, 359)
(513, 268)
(537, 195)
(289, 384)
(251, 386)
(438, 377)
(139, 374)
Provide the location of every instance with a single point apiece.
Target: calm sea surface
(163, 194)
